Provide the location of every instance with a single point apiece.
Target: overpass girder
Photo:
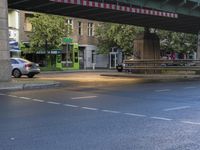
(184, 7)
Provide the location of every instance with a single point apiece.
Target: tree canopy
(177, 42)
(48, 30)
(122, 36)
(116, 35)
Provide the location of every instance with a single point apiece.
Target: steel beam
(182, 3)
(17, 2)
(166, 6)
(195, 6)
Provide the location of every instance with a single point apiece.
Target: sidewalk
(55, 80)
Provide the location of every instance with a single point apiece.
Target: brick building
(83, 32)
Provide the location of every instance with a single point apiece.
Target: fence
(162, 65)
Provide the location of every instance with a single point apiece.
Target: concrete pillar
(5, 67)
(147, 46)
(198, 46)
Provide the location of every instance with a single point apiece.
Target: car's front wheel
(16, 73)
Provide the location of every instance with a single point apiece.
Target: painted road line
(2, 94)
(190, 87)
(161, 118)
(85, 97)
(111, 111)
(89, 108)
(38, 100)
(163, 90)
(69, 105)
(13, 96)
(54, 103)
(177, 108)
(136, 115)
(189, 122)
(27, 98)
(12, 138)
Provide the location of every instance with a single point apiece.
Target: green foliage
(122, 36)
(177, 42)
(48, 29)
(116, 35)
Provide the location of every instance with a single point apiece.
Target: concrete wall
(84, 38)
(101, 61)
(5, 73)
(147, 46)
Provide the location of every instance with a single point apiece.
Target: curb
(25, 86)
(154, 77)
(75, 71)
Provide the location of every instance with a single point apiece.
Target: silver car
(24, 67)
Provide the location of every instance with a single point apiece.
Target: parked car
(24, 67)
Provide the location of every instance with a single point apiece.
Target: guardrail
(149, 64)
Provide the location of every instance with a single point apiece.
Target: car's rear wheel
(30, 75)
(16, 73)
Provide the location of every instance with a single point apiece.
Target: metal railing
(176, 65)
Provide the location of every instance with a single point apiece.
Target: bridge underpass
(176, 15)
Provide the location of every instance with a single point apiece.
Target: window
(14, 61)
(70, 22)
(80, 28)
(90, 29)
(70, 25)
(27, 23)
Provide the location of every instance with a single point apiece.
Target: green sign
(67, 40)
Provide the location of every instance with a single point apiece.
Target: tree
(177, 42)
(116, 35)
(47, 32)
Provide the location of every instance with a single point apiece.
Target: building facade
(83, 33)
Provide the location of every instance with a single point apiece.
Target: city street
(90, 112)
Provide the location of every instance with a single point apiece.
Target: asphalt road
(100, 113)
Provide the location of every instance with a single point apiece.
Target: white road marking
(69, 105)
(137, 115)
(177, 108)
(89, 108)
(190, 87)
(12, 96)
(38, 100)
(163, 90)
(161, 118)
(27, 98)
(55, 103)
(189, 122)
(85, 97)
(12, 138)
(111, 111)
